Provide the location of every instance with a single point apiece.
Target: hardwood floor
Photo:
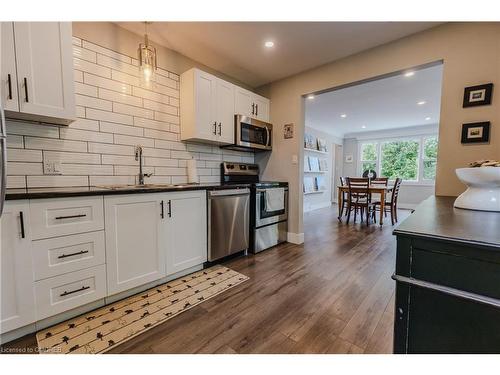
(333, 294)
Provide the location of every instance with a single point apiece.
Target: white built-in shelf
(315, 171)
(314, 192)
(317, 151)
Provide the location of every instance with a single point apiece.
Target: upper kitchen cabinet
(250, 104)
(207, 108)
(37, 71)
(208, 105)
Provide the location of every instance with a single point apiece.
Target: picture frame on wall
(478, 95)
(322, 145)
(310, 141)
(476, 132)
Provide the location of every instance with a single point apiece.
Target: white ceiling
(237, 48)
(387, 103)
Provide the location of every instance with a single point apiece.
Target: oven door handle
(268, 143)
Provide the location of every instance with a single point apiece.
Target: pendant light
(147, 57)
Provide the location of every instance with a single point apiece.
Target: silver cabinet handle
(65, 293)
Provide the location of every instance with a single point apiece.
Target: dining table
(373, 189)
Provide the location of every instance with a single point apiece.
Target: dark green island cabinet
(447, 280)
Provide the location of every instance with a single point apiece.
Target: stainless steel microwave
(252, 134)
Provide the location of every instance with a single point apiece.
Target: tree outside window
(368, 157)
(430, 158)
(400, 159)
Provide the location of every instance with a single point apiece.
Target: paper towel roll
(192, 172)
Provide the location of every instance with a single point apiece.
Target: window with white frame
(412, 159)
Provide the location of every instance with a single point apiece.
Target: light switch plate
(295, 159)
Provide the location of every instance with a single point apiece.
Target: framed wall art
(478, 95)
(476, 132)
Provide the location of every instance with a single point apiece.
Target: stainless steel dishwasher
(228, 222)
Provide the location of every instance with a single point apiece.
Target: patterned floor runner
(111, 325)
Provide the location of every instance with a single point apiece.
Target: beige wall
(118, 39)
(471, 55)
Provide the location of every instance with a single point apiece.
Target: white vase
(483, 189)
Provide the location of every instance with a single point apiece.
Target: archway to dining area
(370, 148)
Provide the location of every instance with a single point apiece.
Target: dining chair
(392, 205)
(343, 204)
(359, 198)
(378, 182)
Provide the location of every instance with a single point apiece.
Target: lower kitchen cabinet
(17, 296)
(135, 240)
(186, 230)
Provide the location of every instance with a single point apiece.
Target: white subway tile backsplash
(84, 135)
(90, 102)
(116, 110)
(56, 181)
(19, 154)
(104, 148)
(110, 127)
(24, 169)
(72, 157)
(131, 110)
(119, 97)
(34, 129)
(131, 140)
(105, 51)
(55, 144)
(97, 114)
(16, 182)
(84, 54)
(89, 67)
(109, 84)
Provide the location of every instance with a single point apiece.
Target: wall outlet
(52, 167)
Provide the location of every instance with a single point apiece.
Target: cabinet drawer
(65, 292)
(63, 216)
(59, 255)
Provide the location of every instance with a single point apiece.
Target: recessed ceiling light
(310, 96)
(409, 74)
(422, 102)
(427, 118)
(343, 115)
(363, 127)
(269, 44)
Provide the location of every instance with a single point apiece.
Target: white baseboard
(296, 238)
(317, 206)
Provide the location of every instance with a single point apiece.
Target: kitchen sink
(137, 186)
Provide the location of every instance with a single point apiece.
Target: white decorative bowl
(483, 189)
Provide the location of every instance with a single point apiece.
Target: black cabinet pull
(220, 128)
(74, 291)
(169, 208)
(256, 109)
(72, 254)
(9, 82)
(21, 219)
(253, 108)
(70, 216)
(26, 89)
(215, 127)
(162, 215)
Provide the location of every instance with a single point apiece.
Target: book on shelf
(313, 164)
(310, 141)
(322, 145)
(307, 167)
(320, 183)
(323, 165)
(309, 185)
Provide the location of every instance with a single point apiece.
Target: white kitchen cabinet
(207, 108)
(43, 73)
(10, 99)
(135, 240)
(17, 297)
(186, 225)
(250, 104)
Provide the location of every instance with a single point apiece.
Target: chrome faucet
(138, 156)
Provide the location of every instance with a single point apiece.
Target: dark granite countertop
(40, 193)
(437, 218)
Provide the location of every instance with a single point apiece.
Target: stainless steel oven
(253, 134)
